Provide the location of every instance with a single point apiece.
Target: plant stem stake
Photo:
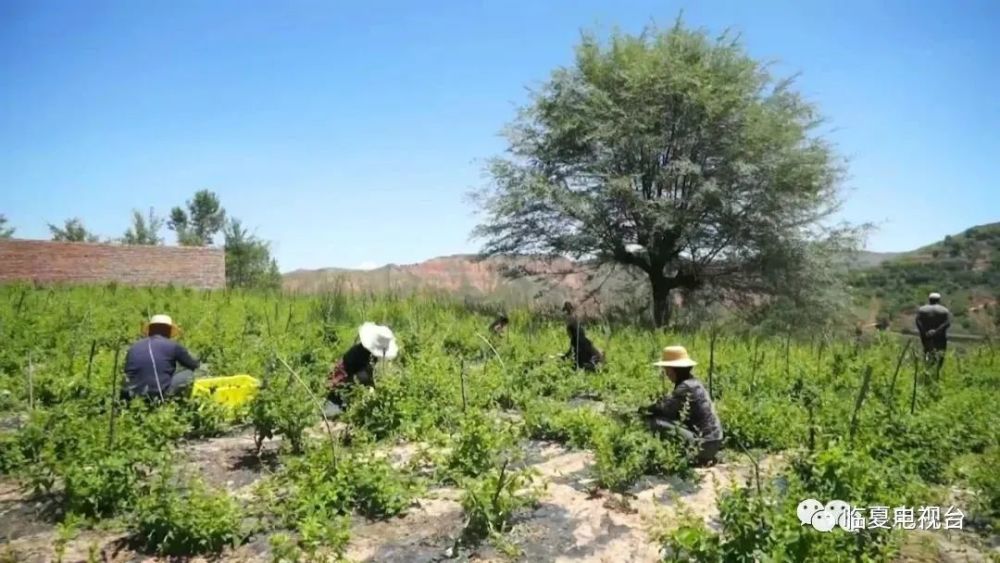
(114, 398)
(899, 364)
(90, 361)
(711, 361)
(461, 375)
(865, 382)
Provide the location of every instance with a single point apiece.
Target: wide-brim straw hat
(165, 320)
(378, 340)
(675, 357)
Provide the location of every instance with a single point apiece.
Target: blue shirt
(151, 357)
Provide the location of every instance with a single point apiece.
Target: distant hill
(964, 268)
(467, 277)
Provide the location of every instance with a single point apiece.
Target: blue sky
(348, 133)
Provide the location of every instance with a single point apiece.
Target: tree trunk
(662, 306)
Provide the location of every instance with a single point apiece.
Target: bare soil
(574, 520)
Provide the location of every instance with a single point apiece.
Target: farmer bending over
(582, 351)
(933, 322)
(151, 363)
(700, 425)
(358, 364)
(499, 326)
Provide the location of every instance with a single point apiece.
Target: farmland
(471, 448)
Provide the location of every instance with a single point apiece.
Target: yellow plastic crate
(232, 392)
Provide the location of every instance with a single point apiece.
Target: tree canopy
(5, 231)
(145, 230)
(72, 230)
(248, 259)
(200, 222)
(678, 156)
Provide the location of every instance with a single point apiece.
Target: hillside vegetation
(965, 268)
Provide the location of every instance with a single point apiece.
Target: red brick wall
(86, 263)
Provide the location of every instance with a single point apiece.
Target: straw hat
(175, 330)
(675, 357)
(934, 296)
(378, 340)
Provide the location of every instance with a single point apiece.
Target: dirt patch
(577, 522)
(424, 534)
(230, 462)
(20, 516)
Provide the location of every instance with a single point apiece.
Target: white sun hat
(175, 330)
(934, 295)
(378, 340)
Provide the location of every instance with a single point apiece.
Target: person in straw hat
(687, 411)
(375, 342)
(933, 321)
(151, 363)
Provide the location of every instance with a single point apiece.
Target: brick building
(91, 263)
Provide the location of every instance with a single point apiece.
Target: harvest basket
(232, 392)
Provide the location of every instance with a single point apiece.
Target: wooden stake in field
(711, 361)
(895, 373)
(90, 361)
(461, 376)
(916, 375)
(31, 384)
(319, 405)
(788, 350)
(865, 382)
(114, 398)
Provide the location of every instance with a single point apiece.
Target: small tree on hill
(198, 225)
(5, 231)
(674, 155)
(145, 230)
(72, 230)
(248, 259)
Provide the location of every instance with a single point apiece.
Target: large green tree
(248, 259)
(675, 155)
(5, 231)
(199, 223)
(72, 230)
(145, 229)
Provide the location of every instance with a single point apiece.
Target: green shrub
(207, 419)
(186, 519)
(478, 446)
(282, 409)
(491, 502)
(985, 480)
(576, 427)
(316, 486)
(102, 486)
(624, 453)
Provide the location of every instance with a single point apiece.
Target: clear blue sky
(349, 132)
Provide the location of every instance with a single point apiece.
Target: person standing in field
(151, 363)
(933, 321)
(375, 342)
(687, 412)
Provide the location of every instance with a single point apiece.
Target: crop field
(473, 447)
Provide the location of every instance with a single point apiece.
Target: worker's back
(932, 316)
